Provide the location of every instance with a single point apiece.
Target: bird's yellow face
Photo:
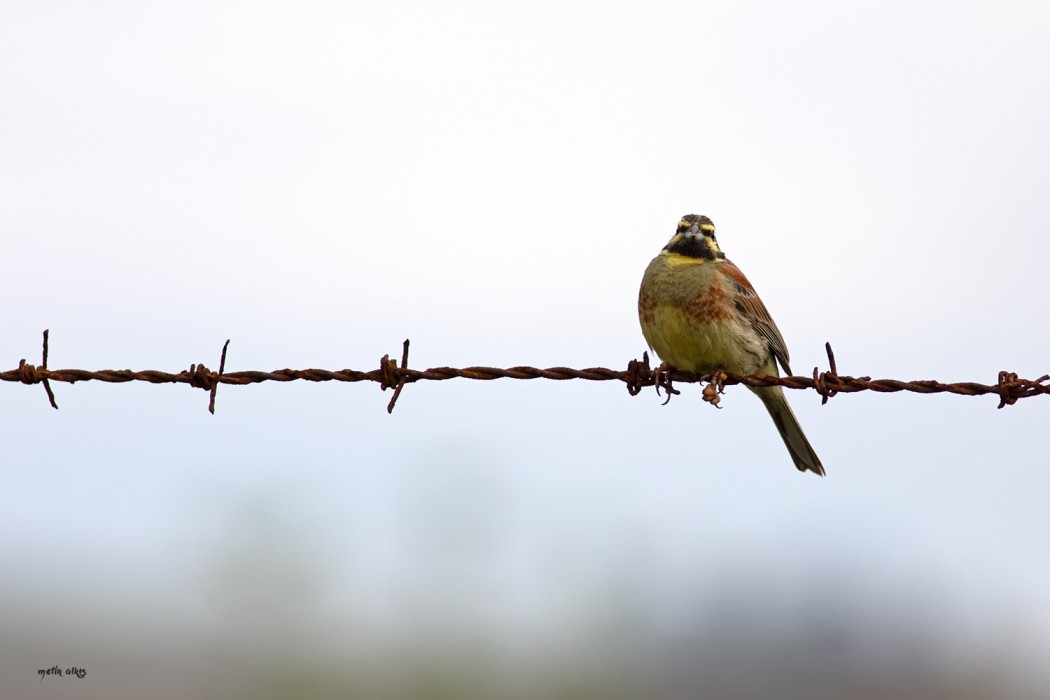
(695, 239)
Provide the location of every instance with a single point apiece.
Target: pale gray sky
(318, 181)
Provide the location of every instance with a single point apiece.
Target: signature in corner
(57, 671)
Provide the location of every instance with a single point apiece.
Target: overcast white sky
(318, 181)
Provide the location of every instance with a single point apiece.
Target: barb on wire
(392, 376)
(215, 386)
(639, 374)
(29, 374)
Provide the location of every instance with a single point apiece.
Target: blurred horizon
(503, 613)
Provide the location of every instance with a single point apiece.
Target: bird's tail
(798, 446)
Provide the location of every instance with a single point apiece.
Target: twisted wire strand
(639, 374)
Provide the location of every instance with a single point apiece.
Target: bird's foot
(715, 387)
(662, 378)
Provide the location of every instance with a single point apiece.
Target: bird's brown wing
(748, 303)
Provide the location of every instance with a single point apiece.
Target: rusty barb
(203, 378)
(28, 374)
(639, 374)
(391, 376)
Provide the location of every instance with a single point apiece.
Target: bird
(699, 313)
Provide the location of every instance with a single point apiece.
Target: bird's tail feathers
(802, 453)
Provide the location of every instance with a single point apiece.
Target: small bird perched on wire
(700, 314)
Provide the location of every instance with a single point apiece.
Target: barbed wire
(638, 375)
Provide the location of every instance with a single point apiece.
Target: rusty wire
(638, 375)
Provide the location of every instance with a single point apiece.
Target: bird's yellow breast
(688, 315)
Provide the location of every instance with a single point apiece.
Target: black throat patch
(695, 247)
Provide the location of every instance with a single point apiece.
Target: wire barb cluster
(639, 374)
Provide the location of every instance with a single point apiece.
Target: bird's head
(695, 238)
